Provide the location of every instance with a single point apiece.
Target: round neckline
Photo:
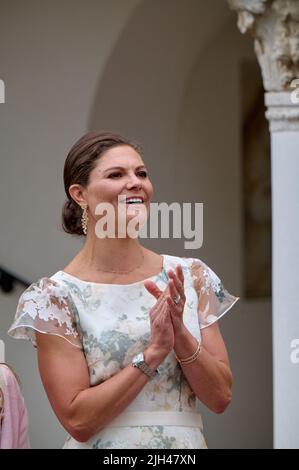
(118, 285)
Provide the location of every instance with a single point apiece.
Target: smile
(134, 200)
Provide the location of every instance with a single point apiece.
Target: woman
(116, 300)
(13, 412)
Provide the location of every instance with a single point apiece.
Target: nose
(134, 182)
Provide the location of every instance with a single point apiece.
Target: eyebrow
(121, 168)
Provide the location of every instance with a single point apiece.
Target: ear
(77, 193)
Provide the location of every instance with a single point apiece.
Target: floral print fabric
(110, 323)
(45, 306)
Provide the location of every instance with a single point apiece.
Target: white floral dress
(110, 323)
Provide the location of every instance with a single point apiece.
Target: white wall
(209, 157)
(52, 54)
(162, 73)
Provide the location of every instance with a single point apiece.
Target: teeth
(134, 200)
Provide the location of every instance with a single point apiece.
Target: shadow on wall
(140, 91)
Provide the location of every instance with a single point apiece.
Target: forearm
(209, 378)
(95, 407)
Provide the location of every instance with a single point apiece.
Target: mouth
(135, 200)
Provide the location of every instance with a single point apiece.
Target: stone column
(274, 25)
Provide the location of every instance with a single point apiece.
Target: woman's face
(119, 171)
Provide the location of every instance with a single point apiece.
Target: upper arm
(64, 373)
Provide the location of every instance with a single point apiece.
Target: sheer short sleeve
(46, 307)
(213, 299)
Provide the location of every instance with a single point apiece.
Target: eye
(116, 174)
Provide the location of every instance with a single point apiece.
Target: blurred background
(178, 77)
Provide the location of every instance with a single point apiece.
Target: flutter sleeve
(45, 306)
(213, 299)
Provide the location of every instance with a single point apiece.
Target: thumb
(152, 288)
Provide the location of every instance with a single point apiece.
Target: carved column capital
(274, 25)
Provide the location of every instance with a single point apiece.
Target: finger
(180, 273)
(153, 289)
(171, 304)
(178, 284)
(172, 289)
(159, 307)
(162, 313)
(173, 307)
(175, 316)
(178, 278)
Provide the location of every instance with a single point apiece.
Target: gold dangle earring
(84, 219)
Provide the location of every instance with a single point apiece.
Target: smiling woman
(128, 320)
(86, 165)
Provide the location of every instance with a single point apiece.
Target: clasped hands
(174, 289)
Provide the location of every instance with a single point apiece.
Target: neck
(115, 254)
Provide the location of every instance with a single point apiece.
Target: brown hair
(80, 161)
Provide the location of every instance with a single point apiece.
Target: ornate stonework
(274, 24)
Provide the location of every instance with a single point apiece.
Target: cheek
(97, 193)
(102, 191)
(149, 189)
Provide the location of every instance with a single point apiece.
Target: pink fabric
(14, 423)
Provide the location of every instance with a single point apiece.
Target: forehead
(122, 155)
